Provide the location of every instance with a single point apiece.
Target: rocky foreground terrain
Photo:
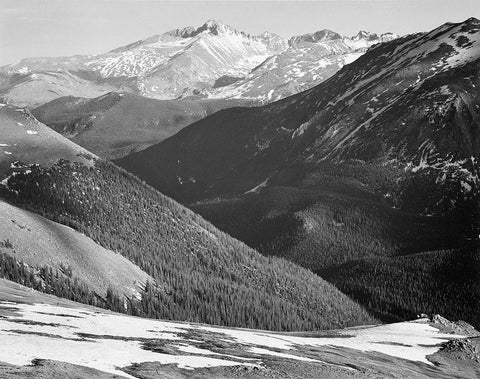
(44, 336)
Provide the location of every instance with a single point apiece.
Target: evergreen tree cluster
(55, 282)
(446, 282)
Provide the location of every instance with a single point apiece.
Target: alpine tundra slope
(45, 336)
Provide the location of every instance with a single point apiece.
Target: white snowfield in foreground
(55, 332)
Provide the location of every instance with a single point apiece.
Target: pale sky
(30, 28)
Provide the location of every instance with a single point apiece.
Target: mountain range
(213, 60)
(411, 101)
(319, 191)
(377, 162)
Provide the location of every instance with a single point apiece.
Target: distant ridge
(186, 63)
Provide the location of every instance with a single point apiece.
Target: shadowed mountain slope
(413, 100)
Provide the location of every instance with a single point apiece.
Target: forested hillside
(59, 283)
(201, 274)
(446, 282)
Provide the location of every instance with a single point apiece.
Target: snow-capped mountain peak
(216, 27)
(212, 27)
(389, 36)
(267, 34)
(309, 59)
(367, 36)
(316, 37)
(189, 61)
(184, 32)
(373, 38)
(273, 41)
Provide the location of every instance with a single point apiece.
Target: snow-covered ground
(107, 341)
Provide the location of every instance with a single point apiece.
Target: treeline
(201, 274)
(57, 283)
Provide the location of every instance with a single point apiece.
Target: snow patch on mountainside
(107, 341)
(309, 60)
(188, 61)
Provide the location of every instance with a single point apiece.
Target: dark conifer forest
(381, 250)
